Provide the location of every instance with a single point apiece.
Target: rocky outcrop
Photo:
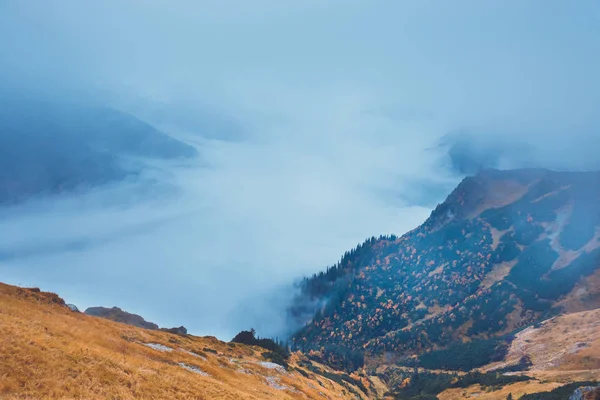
(586, 393)
(73, 307)
(177, 331)
(118, 315)
(40, 296)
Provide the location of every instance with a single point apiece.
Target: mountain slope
(49, 351)
(506, 249)
(563, 345)
(561, 354)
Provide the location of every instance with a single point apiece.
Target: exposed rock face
(73, 307)
(586, 393)
(118, 315)
(42, 297)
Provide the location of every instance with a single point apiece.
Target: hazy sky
(317, 124)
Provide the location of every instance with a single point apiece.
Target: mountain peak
(494, 189)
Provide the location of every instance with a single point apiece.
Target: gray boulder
(73, 307)
(586, 393)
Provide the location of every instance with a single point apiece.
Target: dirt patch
(438, 270)
(496, 236)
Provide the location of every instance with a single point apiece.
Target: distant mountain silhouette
(118, 315)
(51, 147)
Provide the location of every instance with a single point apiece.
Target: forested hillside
(502, 252)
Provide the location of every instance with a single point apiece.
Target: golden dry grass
(50, 352)
(498, 194)
(584, 296)
(516, 389)
(563, 349)
(569, 342)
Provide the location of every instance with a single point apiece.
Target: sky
(318, 123)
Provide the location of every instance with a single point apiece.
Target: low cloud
(194, 244)
(317, 125)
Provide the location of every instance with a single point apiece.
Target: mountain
(505, 250)
(50, 352)
(49, 147)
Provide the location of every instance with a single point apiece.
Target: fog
(317, 123)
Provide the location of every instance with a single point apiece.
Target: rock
(42, 297)
(177, 331)
(73, 307)
(159, 347)
(272, 365)
(193, 369)
(586, 393)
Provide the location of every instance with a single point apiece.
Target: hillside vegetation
(467, 291)
(50, 352)
(499, 254)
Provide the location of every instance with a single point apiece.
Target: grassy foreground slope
(48, 351)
